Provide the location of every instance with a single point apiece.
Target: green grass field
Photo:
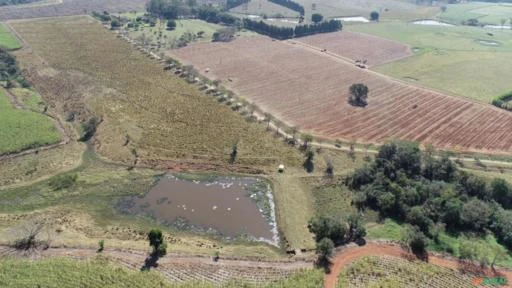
(7, 40)
(451, 59)
(22, 129)
(486, 13)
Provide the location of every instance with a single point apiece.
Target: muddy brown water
(229, 206)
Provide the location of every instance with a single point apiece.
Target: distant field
(486, 13)
(453, 59)
(22, 129)
(162, 116)
(170, 37)
(312, 95)
(264, 7)
(388, 9)
(7, 40)
(69, 7)
(357, 46)
(395, 272)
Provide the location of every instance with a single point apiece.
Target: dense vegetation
(290, 5)
(9, 70)
(432, 194)
(504, 101)
(15, 2)
(287, 32)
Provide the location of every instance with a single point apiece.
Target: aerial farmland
(255, 143)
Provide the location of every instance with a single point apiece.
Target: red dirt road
(350, 254)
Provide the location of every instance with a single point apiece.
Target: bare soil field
(68, 8)
(309, 89)
(358, 46)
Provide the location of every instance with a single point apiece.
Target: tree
(502, 192)
(329, 169)
(374, 16)
(114, 24)
(89, 128)
(171, 24)
(223, 35)
(476, 214)
(308, 163)
(267, 118)
(324, 249)
(234, 152)
(327, 227)
(416, 240)
(356, 229)
(358, 95)
(157, 242)
(317, 18)
(307, 139)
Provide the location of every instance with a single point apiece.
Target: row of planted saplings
(190, 75)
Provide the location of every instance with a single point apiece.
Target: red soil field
(358, 46)
(309, 89)
(69, 7)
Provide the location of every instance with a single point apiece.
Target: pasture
(387, 271)
(7, 40)
(451, 59)
(486, 13)
(22, 129)
(313, 96)
(148, 114)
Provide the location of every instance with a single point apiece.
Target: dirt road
(350, 254)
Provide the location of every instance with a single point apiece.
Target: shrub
(62, 181)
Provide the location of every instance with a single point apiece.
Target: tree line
(432, 195)
(503, 101)
(288, 32)
(290, 5)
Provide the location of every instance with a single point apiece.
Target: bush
(62, 181)
(171, 25)
(316, 18)
(89, 128)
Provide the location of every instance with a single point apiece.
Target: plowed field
(357, 46)
(308, 88)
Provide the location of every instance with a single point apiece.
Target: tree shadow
(324, 263)
(150, 262)
(309, 166)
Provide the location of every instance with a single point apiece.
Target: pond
(488, 43)
(353, 19)
(221, 205)
(432, 23)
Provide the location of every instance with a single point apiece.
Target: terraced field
(387, 271)
(309, 88)
(358, 46)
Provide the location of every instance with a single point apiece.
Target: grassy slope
(449, 58)
(7, 40)
(163, 116)
(488, 13)
(21, 129)
(101, 272)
